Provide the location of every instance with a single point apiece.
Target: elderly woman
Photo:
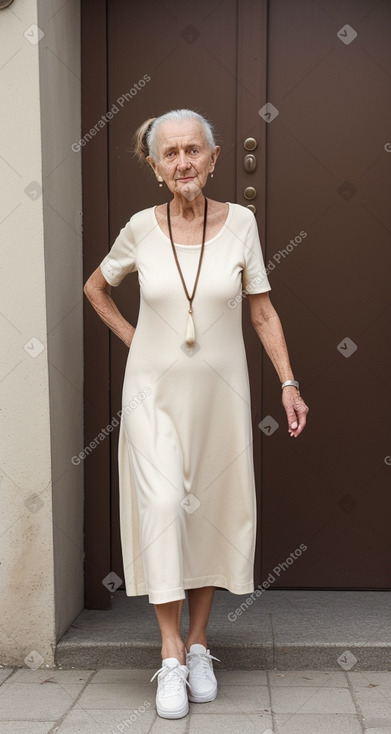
(187, 495)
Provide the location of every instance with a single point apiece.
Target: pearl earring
(211, 175)
(160, 181)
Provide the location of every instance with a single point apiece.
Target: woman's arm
(98, 292)
(268, 326)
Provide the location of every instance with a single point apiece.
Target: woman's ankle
(198, 639)
(174, 650)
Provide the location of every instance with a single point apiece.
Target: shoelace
(201, 662)
(170, 678)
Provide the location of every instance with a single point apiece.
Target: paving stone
(294, 700)
(96, 721)
(177, 726)
(228, 724)
(236, 700)
(241, 677)
(123, 696)
(368, 678)
(128, 676)
(316, 724)
(33, 702)
(4, 673)
(65, 678)
(26, 727)
(308, 678)
(375, 706)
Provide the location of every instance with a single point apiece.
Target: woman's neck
(189, 210)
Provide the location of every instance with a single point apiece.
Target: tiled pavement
(107, 701)
(294, 662)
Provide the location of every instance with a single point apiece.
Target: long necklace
(190, 333)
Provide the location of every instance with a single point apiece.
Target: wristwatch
(290, 382)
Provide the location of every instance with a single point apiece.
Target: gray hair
(145, 136)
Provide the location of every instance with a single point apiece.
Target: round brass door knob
(252, 208)
(250, 144)
(249, 193)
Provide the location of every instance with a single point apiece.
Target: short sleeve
(121, 259)
(254, 276)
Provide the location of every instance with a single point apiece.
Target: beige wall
(41, 540)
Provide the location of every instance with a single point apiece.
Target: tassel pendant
(190, 333)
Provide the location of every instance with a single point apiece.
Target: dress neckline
(193, 247)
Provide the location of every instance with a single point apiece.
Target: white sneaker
(171, 697)
(202, 680)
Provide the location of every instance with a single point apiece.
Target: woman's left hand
(296, 410)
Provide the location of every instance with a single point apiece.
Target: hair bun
(140, 146)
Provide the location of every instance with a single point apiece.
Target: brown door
(322, 498)
(328, 175)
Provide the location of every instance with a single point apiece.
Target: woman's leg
(169, 618)
(200, 603)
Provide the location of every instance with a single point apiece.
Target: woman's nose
(183, 162)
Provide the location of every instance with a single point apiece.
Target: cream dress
(186, 476)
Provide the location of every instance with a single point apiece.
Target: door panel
(327, 175)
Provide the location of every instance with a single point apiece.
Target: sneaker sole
(173, 714)
(202, 699)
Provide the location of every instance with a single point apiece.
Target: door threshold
(280, 630)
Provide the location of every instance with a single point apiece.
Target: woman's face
(184, 157)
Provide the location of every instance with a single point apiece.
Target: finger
(292, 418)
(301, 423)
